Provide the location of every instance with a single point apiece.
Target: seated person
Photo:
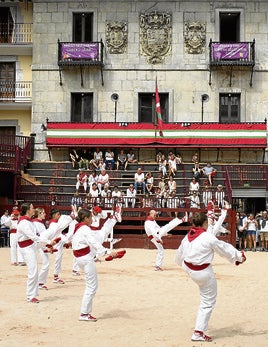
(209, 172)
(194, 186)
(74, 158)
(109, 159)
(121, 160)
(81, 180)
(139, 180)
(84, 160)
(172, 165)
(149, 183)
(97, 157)
(103, 179)
(130, 158)
(197, 172)
(130, 198)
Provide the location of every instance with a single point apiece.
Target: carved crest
(116, 37)
(155, 36)
(194, 37)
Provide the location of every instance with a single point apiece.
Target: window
(147, 107)
(229, 27)
(82, 107)
(6, 25)
(229, 108)
(7, 81)
(82, 27)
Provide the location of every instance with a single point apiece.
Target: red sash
(12, 231)
(25, 243)
(80, 252)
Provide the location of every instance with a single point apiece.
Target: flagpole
(155, 126)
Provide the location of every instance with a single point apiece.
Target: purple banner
(79, 51)
(230, 51)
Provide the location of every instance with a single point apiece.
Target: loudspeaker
(205, 97)
(114, 97)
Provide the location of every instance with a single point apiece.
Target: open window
(7, 81)
(82, 107)
(147, 107)
(83, 27)
(229, 27)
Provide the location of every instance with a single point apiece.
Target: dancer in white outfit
(155, 234)
(15, 251)
(27, 241)
(195, 255)
(38, 221)
(86, 249)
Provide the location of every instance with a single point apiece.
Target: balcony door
(7, 82)
(83, 27)
(82, 107)
(229, 108)
(229, 27)
(147, 107)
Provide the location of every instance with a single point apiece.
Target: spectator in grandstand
(165, 196)
(219, 196)
(207, 195)
(139, 180)
(93, 178)
(109, 201)
(130, 199)
(172, 185)
(194, 186)
(147, 201)
(197, 172)
(84, 160)
(162, 165)
(131, 158)
(149, 182)
(195, 157)
(97, 157)
(105, 191)
(173, 202)
(209, 172)
(162, 184)
(158, 156)
(103, 179)
(94, 193)
(76, 202)
(117, 196)
(178, 158)
(241, 231)
(109, 159)
(101, 165)
(251, 227)
(121, 160)
(74, 158)
(81, 180)
(194, 200)
(172, 165)
(263, 231)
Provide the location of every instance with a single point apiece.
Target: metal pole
(202, 111)
(115, 110)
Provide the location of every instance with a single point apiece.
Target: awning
(239, 135)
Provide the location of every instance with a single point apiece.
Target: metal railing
(11, 91)
(248, 176)
(16, 33)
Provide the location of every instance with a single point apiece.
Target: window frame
(164, 104)
(228, 119)
(74, 105)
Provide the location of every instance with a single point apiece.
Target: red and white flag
(158, 111)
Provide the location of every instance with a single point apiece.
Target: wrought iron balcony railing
(16, 33)
(11, 91)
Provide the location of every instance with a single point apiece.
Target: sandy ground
(135, 305)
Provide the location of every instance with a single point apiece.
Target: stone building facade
(145, 40)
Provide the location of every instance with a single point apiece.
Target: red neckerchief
(194, 233)
(52, 221)
(150, 218)
(79, 225)
(38, 220)
(24, 218)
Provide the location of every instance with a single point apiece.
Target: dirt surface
(135, 305)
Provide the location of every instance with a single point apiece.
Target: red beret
(97, 209)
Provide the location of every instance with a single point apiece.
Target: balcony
(16, 38)
(232, 56)
(81, 54)
(15, 92)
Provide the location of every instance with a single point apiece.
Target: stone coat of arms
(155, 36)
(116, 37)
(194, 37)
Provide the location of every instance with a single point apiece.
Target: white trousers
(87, 264)
(207, 283)
(30, 256)
(43, 274)
(15, 250)
(58, 257)
(75, 265)
(160, 253)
